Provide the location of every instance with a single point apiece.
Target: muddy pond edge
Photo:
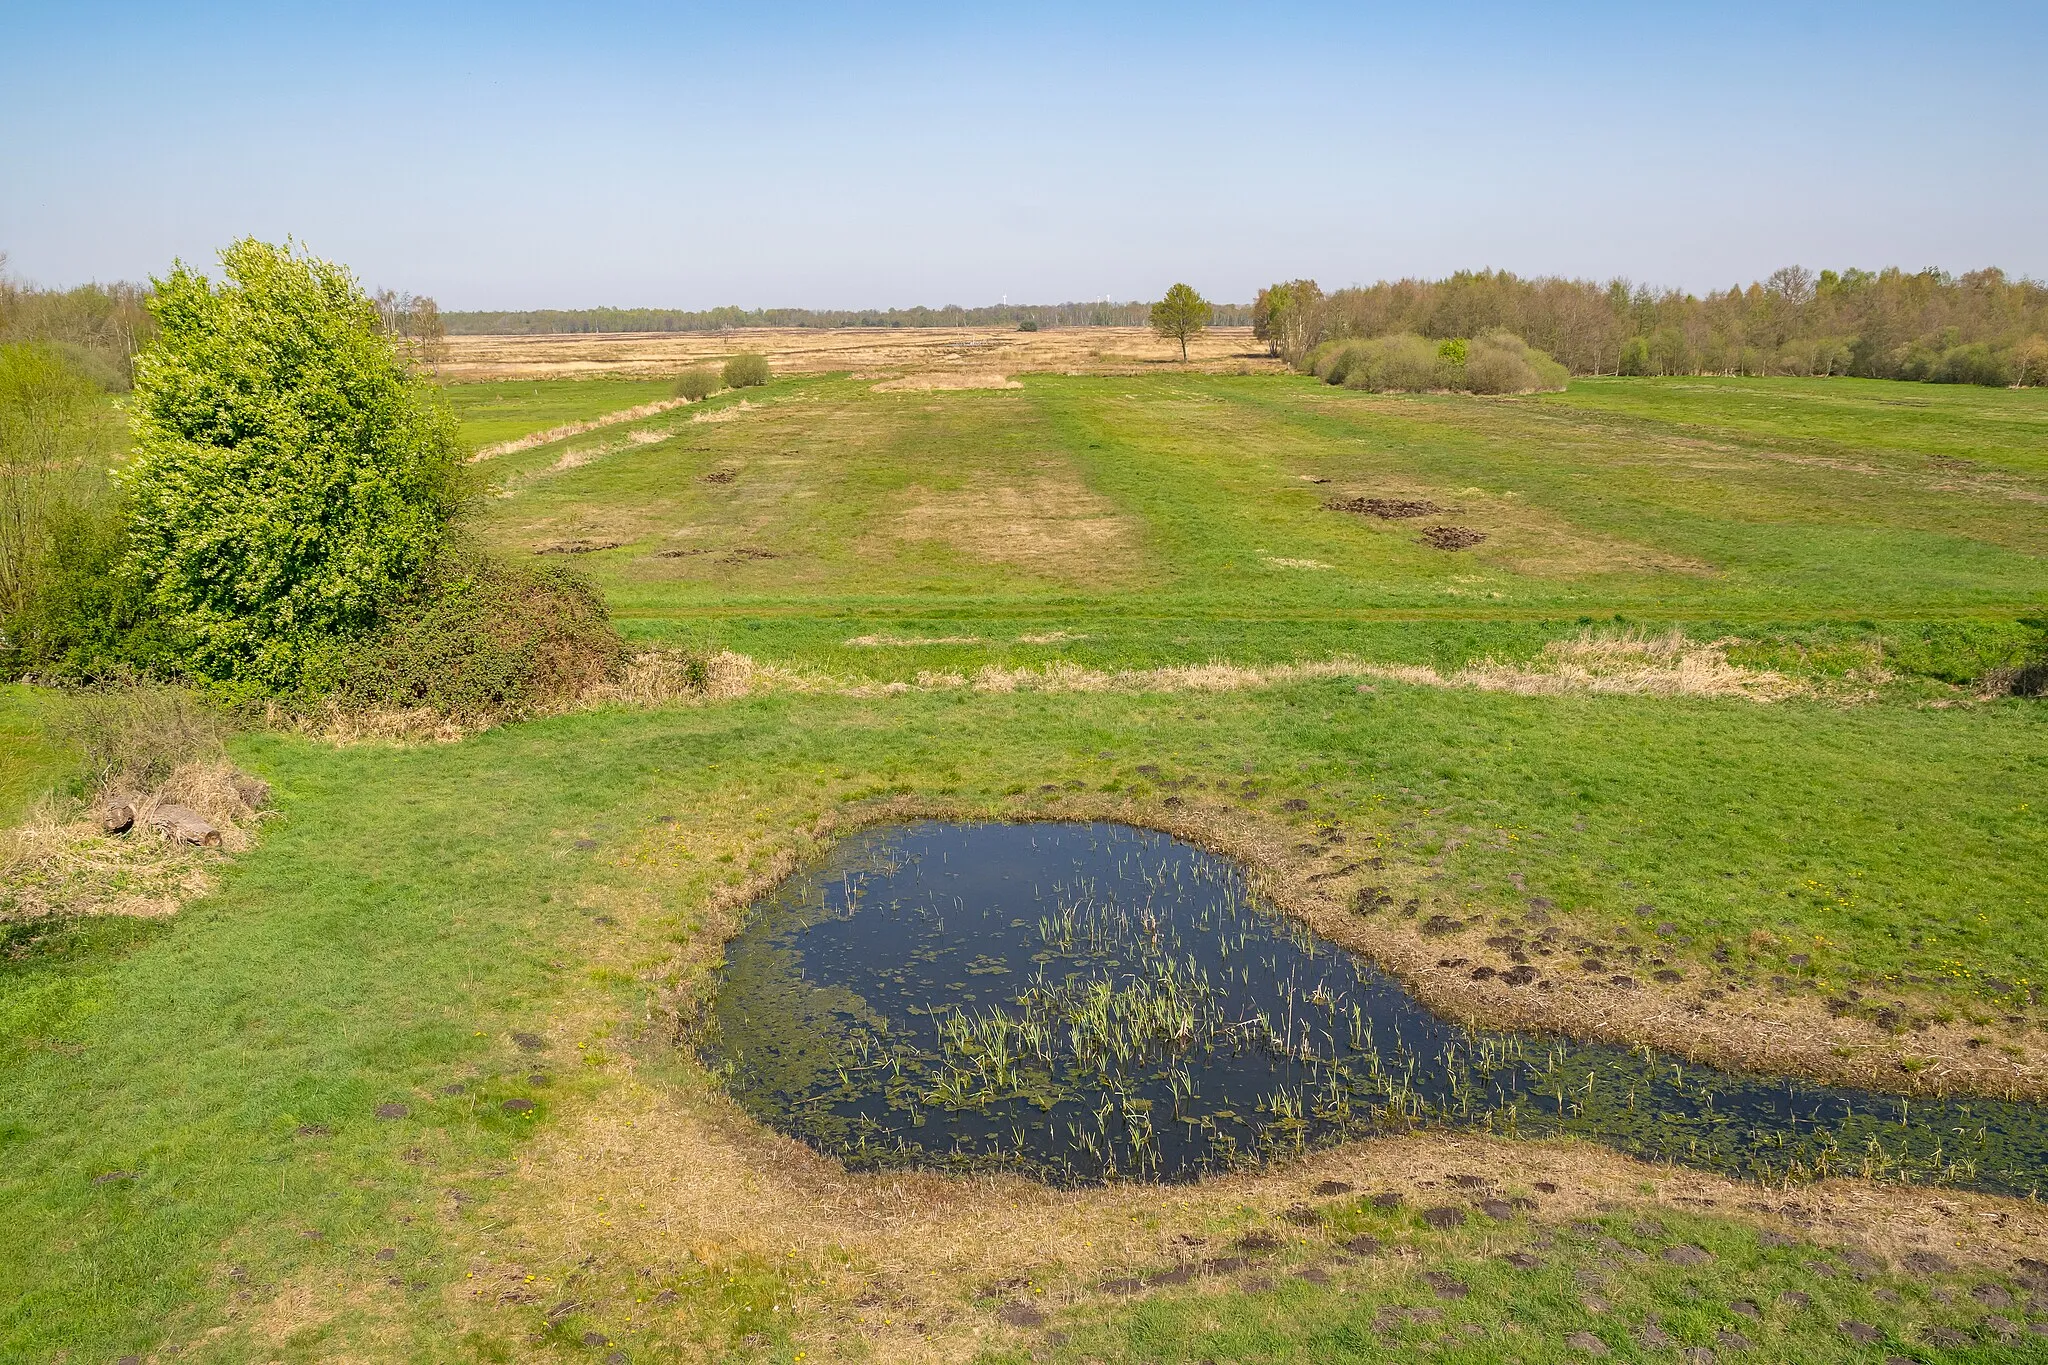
(1792, 1037)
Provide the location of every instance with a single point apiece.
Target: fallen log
(185, 825)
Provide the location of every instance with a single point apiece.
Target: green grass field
(191, 1152)
(1173, 518)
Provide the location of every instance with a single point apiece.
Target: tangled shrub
(479, 638)
(136, 733)
(747, 370)
(698, 382)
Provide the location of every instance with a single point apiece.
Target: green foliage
(747, 370)
(478, 637)
(1028, 325)
(699, 382)
(292, 472)
(87, 620)
(1181, 316)
(1453, 351)
(58, 435)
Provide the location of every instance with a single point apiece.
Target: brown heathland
(880, 353)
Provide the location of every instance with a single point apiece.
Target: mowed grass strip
(504, 411)
(190, 1115)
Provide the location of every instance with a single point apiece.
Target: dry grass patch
(1629, 664)
(1052, 525)
(866, 352)
(909, 641)
(63, 861)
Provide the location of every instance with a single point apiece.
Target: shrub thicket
(747, 370)
(698, 382)
(1405, 363)
(292, 472)
(1885, 324)
(480, 638)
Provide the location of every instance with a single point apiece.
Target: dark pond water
(1083, 1002)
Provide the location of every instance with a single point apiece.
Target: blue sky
(891, 154)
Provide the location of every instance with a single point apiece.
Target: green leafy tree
(292, 474)
(1181, 316)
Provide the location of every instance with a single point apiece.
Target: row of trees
(1029, 317)
(1980, 327)
(97, 327)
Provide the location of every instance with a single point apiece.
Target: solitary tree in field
(292, 473)
(1181, 315)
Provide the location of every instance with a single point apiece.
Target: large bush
(479, 638)
(696, 383)
(747, 370)
(292, 472)
(1500, 362)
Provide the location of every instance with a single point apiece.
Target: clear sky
(567, 155)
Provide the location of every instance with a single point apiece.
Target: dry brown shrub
(138, 732)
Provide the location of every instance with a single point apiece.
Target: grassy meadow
(1179, 518)
(413, 1082)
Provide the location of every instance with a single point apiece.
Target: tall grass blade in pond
(1083, 1002)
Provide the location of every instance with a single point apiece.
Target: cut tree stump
(117, 817)
(185, 825)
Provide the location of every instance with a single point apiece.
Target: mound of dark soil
(1387, 509)
(576, 547)
(1452, 537)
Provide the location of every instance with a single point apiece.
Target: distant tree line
(1980, 328)
(1029, 317)
(96, 328)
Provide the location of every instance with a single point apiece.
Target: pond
(1085, 1002)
